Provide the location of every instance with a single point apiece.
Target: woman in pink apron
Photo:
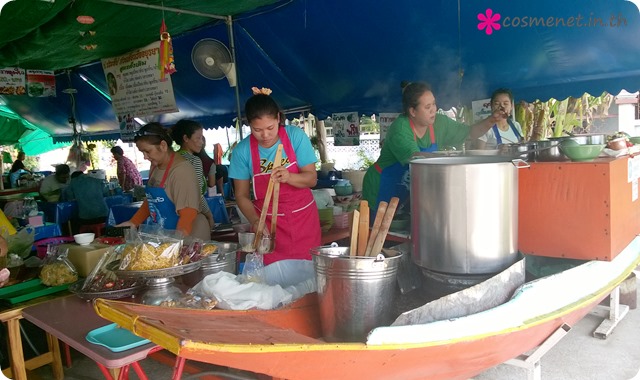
(298, 225)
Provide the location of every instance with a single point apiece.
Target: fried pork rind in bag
(149, 251)
(57, 269)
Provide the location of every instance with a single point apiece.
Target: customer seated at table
(89, 193)
(52, 186)
(128, 175)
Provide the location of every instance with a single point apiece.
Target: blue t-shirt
(242, 168)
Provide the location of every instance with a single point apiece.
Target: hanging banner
(346, 129)
(134, 84)
(386, 119)
(12, 81)
(481, 109)
(41, 83)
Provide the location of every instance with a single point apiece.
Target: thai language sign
(12, 81)
(346, 128)
(481, 109)
(41, 83)
(134, 84)
(386, 119)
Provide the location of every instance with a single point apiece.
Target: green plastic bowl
(581, 152)
(635, 140)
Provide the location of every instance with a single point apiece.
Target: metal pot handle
(520, 163)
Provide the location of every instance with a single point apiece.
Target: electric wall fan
(212, 60)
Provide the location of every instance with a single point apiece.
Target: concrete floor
(577, 356)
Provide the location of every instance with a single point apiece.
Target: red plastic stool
(97, 228)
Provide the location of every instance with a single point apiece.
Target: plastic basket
(41, 245)
(341, 220)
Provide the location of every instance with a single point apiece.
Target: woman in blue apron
(420, 129)
(505, 130)
(173, 193)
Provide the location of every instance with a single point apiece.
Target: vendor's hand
(280, 174)
(254, 228)
(128, 223)
(499, 114)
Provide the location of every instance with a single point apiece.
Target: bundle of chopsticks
(363, 242)
(272, 188)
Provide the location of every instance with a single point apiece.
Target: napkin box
(85, 257)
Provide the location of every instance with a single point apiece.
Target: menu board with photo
(481, 109)
(386, 119)
(41, 83)
(12, 81)
(134, 84)
(346, 129)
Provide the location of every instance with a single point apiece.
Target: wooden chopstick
(276, 196)
(265, 208)
(384, 227)
(354, 233)
(363, 228)
(382, 208)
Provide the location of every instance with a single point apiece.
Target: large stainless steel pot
(464, 214)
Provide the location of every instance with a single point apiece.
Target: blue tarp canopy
(335, 56)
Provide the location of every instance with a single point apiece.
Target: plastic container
(355, 294)
(341, 220)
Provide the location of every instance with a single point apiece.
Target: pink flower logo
(489, 21)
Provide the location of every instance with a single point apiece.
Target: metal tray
(154, 273)
(76, 288)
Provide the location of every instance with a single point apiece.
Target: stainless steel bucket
(464, 214)
(224, 260)
(355, 293)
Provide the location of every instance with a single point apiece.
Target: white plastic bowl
(84, 239)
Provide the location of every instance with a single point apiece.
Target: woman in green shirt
(418, 131)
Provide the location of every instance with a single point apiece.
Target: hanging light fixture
(85, 20)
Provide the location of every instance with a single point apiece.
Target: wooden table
(19, 366)
(70, 319)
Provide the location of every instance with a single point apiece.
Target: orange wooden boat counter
(285, 343)
(578, 210)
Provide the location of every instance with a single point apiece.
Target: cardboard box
(578, 210)
(85, 257)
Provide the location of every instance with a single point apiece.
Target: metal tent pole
(232, 47)
(163, 8)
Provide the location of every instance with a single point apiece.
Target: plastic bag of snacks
(149, 249)
(102, 279)
(56, 268)
(192, 300)
(191, 250)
